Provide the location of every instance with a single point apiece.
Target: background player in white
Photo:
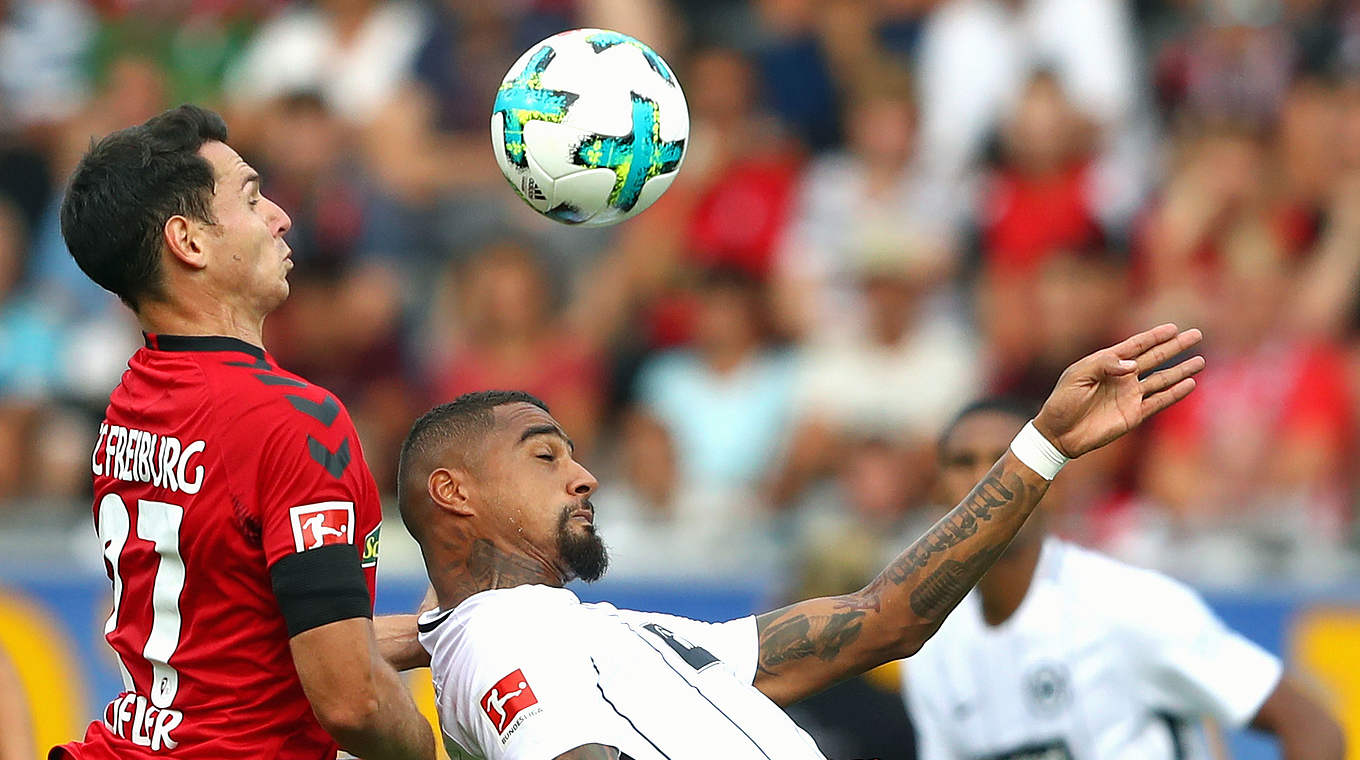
(1064, 653)
(502, 511)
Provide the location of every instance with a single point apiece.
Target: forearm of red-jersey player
(399, 636)
(806, 647)
(1305, 729)
(399, 642)
(359, 700)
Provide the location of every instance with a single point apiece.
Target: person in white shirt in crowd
(1065, 654)
(355, 53)
(522, 669)
(976, 55)
(907, 361)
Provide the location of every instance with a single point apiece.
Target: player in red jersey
(239, 521)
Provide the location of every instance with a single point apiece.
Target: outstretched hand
(1101, 396)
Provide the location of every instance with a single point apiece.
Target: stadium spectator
(870, 197)
(663, 526)
(496, 328)
(976, 56)
(1235, 63)
(1036, 205)
(725, 399)
(354, 53)
(42, 45)
(1261, 452)
(904, 361)
(30, 355)
(740, 168)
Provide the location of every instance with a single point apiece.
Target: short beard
(584, 553)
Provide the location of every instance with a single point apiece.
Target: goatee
(584, 552)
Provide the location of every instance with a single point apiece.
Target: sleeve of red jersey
(308, 474)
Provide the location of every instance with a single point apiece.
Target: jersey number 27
(157, 523)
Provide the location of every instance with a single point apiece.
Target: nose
(582, 483)
(282, 222)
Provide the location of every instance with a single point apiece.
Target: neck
(213, 318)
(1003, 588)
(465, 571)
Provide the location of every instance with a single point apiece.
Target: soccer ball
(590, 127)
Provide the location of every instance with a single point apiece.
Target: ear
(184, 239)
(450, 491)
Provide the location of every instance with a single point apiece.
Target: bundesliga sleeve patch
(317, 525)
(507, 699)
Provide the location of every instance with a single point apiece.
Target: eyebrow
(553, 430)
(252, 177)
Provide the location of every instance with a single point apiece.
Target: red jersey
(212, 464)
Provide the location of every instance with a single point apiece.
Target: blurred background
(888, 209)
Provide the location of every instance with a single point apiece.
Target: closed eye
(546, 457)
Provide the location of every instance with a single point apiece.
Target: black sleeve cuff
(320, 586)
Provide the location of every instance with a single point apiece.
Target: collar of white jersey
(543, 594)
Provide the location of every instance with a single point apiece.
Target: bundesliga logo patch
(317, 525)
(510, 696)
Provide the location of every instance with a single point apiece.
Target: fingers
(1159, 381)
(1116, 366)
(1163, 351)
(1140, 343)
(1159, 401)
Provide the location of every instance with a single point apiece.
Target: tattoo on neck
(485, 566)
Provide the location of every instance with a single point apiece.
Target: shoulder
(1135, 597)
(510, 614)
(261, 394)
(269, 414)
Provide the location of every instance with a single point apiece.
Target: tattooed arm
(808, 646)
(590, 752)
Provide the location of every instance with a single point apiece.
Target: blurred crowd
(888, 208)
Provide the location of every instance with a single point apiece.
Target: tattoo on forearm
(953, 528)
(807, 646)
(950, 582)
(784, 640)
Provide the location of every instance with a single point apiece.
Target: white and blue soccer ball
(590, 127)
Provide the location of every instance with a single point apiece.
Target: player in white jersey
(524, 671)
(1064, 654)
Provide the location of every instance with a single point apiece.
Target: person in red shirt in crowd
(1036, 206)
(1265, 448)
(510, 339)
(239, 521)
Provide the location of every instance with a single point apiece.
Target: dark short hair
(1019, 408)
(125, 189)
(462, 420)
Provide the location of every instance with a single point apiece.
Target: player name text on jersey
(133, 717)
(141, 457)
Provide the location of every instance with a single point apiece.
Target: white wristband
(1031, 447)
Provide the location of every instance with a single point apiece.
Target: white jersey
(1100, 661)
(528, 673)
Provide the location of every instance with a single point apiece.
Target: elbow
(911, 637)
(349, 720)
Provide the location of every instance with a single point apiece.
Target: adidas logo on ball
(531, 190)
